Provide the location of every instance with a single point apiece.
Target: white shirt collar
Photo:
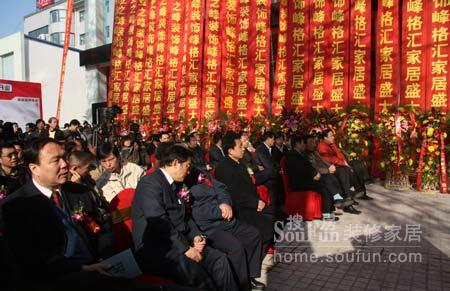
(270, 149)
(168, 177)
(44, 190)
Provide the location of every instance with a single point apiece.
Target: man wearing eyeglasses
(11, 175)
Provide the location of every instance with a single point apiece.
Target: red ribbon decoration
(420, 169)
(64, 56)
(398, 134)
(444, 187)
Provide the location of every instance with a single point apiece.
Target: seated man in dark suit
(84, 194)
(50, 251)
(303, 177)
(329, 174)
(248, 207)
(270, 175)
(198, 158)
(212, 212)
(12, 175)
(166, 239)
(216, 153)
(279, 149)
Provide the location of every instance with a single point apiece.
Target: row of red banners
(323, 57)
(418, 73)
(324, 49)
(193, 58)
(168, 62)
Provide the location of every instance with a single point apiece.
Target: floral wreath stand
(433, 186)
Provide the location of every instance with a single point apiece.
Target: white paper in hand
(123, 265)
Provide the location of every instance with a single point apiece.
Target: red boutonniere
(203, 179)
(184, 193)
(2, 193)
(78, 215)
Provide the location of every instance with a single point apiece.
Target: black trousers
(262, 221)
(212, 273)
(243, 245)
(346, 179)
(327, 196)
(331, 183)
(361, 174)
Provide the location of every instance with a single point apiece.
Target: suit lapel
(167, 189)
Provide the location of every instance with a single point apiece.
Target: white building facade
(12, 57)
(35, 55)
(39, 61)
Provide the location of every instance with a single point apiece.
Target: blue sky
(12, 13)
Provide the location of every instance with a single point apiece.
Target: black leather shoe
(366, 197)
(351, 209)
(357, 194)
(341, 203)
(257, 285)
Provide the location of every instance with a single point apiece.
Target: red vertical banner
(413, 75)
(320, 52)
(64, 56)
(211, 60)
(174, 58)
(279, 99)
(159, 73)
(297, 55)
(194, 56)
(243, 60)
(387, 55)
(438, 73)
(339, 53)
(149, 60)
(360, 48)
(260, 57)
(118, 54)
(127, 91)
(229, 37)
(138, 64)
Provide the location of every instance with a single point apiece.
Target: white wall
(44, 67)
(14, 44)
(42, 18)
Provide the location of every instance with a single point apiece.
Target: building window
(57, 15)
(81, 16)
(107, 31)
(82, 38)
(38, 32)
(57, 37)
(7, 62)
(107, 5)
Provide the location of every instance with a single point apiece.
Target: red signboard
(20, 102)
(41, 4)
